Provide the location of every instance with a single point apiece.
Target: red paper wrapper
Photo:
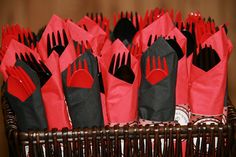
(207, 89)
(93, 28)
(160, 27)
(80, 35)
(106, 48)
(121, 97)
(181, 84)
(69, 55)
(9, 58)
(103, 97)
(182, 73)
(53, 96)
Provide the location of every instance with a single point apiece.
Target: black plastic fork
(57, 45)
(96, 17)
(191, 38)
(206, 59)
(125, 29)
(29, 39)
(38, 66)
(174, 44)
(122, 70)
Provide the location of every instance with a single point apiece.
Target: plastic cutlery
(16, 88)
(122, 70)
(38, 66)
(206, 59)
(173, 43)
(155, 70)
(191, 40)
(150, 40)
(19, 83)
(57, 45)
(18, 75)
(149, 43)
(28, 82)
(79, 77)
(126, 28)
(102, 21)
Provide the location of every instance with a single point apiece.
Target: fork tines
(150, 40)
(156, 62)
(22, 35)
(20, 74)
(206, 59)
(37, 65)
(116, 62)
(57, 45)
(156, 69)
(102, 21)
(175, 45)
(97, 18)
(130, 16)
(82, 47)
(79, 75)
(119, 61)
(27, 37)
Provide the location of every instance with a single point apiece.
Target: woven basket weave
(164, 139)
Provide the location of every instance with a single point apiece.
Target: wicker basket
(136, 140)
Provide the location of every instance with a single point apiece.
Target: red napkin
(160, 27)
(207, 89)
(182, 73)
(80, 35)
(121, 97)
(105, 53)
(93, 28)
(102, 95)
(9, 58)
(106, 47)
(77, 33)
(69, 55)
(182, 112)
(182, 108)
(53, 96)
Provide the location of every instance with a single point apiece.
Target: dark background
(34, 14)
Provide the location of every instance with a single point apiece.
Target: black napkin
(84, 104)
(30, 114)
(157, 102)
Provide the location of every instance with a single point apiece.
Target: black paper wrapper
(84, 104)
(157, 102)
(30, 114)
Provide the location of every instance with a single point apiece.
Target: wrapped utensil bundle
(159, 67)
